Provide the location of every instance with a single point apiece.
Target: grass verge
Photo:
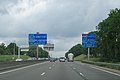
(10, 57)
(97, 61)
(104, 64)
(80, 57)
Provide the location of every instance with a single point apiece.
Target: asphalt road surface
(59, 71)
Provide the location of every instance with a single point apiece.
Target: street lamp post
(14, 50)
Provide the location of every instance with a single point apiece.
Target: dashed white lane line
(74, 68)
(106, 71)
(53, 65)
(81, 74)
(50, 67)
(43, 74)
(21, 68)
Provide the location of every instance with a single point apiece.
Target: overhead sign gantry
(37, 39)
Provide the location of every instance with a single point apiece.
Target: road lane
(91, 73)
(29, 73)
(59, 71)
(62, 71)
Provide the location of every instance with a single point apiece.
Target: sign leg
(37, 52)
(18, 53)
(88, 53)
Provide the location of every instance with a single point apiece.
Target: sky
(63, 20)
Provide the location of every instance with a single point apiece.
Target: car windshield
(62, 58)
(59, 39)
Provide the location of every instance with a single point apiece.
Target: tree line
(76, 50)
(108, 39)
(9, 50)
(33, 51)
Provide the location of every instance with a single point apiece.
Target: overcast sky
(63, 20)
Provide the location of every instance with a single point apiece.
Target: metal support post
(88, 53)
(37, 51)
(18, 53)
(14, 50)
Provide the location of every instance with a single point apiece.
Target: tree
(10, 48)
(42, 53)
(108, 37)
(76, 50)
(33, 52)
(2, 49)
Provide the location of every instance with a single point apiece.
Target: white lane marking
(106, 71)
(81, 74)
(43, 74)
(22, 68)
(53, 65)
(74, 68)
(50, 67)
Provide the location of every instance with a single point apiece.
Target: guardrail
(103, 64)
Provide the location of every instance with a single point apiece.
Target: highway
(59, 71)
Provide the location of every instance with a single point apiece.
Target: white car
(29, 59)
(62, 59)
(19, 59)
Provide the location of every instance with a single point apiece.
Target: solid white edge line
(106, 71)
(21, 68)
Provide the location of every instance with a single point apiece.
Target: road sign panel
(37, 39)
(88, 40)
(49, 47)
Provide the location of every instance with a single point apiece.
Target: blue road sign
(88, 40)
(37, 39)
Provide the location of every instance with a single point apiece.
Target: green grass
(24, 57)
(103, 64)
(97, 59)
(10, 57)
(84, 57)
(80, 57)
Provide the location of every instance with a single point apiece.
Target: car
(29, 59)
(62, 59)
(52, 59)
(19, 59)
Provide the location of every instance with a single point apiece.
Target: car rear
(62, 59)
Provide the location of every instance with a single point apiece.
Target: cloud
(63, 20)
(25, 8)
